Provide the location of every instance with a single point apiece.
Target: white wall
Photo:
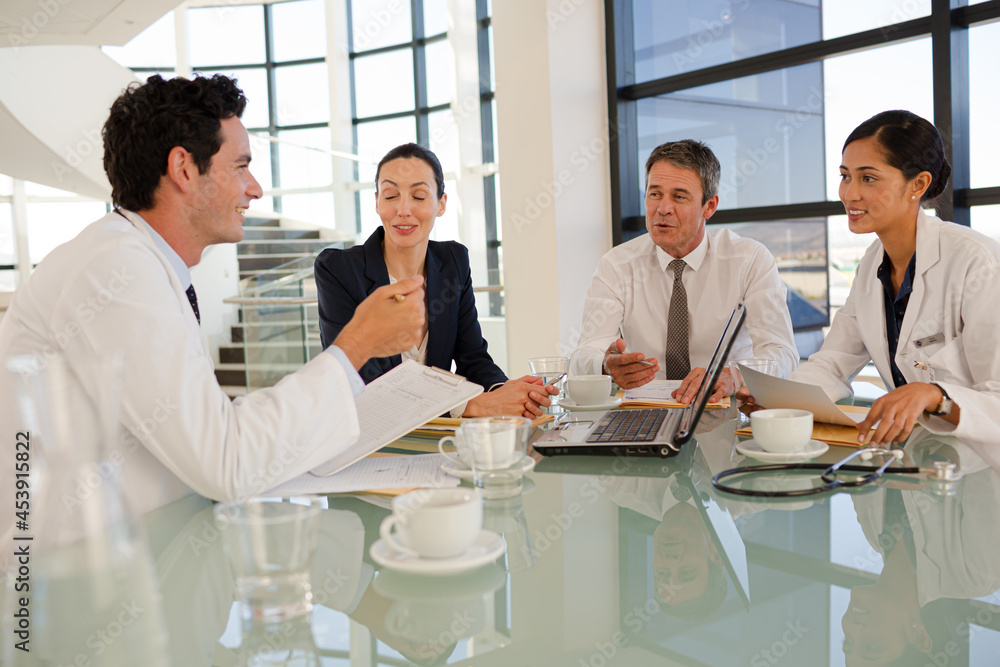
(554, 173)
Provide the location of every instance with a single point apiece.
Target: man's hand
(523, 397)
(897, 412)
(686, 393)
(625, 369)
(383, 324)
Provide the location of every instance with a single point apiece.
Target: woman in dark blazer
(409, 194)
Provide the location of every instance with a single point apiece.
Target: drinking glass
(497, 448)
(270, 547)
(551, 370)
(86, 550)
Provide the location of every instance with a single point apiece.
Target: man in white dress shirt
(634, 288)
(177, 157)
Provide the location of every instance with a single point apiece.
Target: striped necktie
(676, 361)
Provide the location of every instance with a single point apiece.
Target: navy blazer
(344, 278)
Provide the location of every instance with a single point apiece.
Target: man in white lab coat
(178, 158)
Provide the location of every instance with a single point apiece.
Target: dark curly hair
(909, 143)
(419, 152)
(148, 120)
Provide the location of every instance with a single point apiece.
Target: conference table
(615, 561)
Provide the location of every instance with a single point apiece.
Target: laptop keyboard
(630, 425)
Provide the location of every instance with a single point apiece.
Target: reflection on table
(633, 562)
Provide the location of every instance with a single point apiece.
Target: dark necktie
(193, 298)
(676, 362)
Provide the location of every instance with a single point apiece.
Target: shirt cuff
(357, 384)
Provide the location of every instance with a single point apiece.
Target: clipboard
(397, 402)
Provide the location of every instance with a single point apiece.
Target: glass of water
(270, 547)
(551, 370)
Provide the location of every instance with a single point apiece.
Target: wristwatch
(946, 404)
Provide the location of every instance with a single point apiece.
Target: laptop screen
(712, 373)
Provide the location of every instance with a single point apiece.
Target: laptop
(648, 432)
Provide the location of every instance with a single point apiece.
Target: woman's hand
(523, 397)
(896, 413)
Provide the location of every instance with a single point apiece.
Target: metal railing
(279, 320)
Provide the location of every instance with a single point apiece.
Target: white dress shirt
(633, 284)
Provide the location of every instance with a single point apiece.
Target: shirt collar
(175, 261)
(884, 274)
(692, 259)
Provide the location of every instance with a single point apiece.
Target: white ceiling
(64, 22)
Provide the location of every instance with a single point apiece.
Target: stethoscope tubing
(831, 482)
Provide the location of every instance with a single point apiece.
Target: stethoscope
(943, 472)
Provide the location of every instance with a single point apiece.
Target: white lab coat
(110, 289)
(954, 299)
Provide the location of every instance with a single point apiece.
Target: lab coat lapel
(870, 303)
(928, 254)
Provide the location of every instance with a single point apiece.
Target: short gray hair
(690, 154)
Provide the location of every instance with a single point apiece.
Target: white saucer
(487, 548)
(462, 472)
(811, 451)
(570, 404)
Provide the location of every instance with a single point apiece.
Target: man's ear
(181, 169)
(708, 210)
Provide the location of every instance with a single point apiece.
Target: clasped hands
(625, 369)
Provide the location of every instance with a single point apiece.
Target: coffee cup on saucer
(590, 389)
(461, 457)
(434, 523)
(782, 430)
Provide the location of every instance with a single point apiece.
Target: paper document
(371, 474)
(654, 390)
(775, 392)
(656, 393)
(396, 403)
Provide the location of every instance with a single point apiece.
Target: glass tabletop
(629, 561)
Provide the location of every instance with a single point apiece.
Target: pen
(621, 334)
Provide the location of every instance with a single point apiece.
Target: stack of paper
(656, 394)
(377, 473)
(442, 426)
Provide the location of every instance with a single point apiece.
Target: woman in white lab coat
(923, 306)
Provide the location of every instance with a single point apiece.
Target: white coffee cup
(461, 455)
(781, 431)
(590, 389)
(434, 523)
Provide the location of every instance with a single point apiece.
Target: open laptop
(648, 432)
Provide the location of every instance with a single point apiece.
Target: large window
(404, 82)
(277, 52)
(774, 87)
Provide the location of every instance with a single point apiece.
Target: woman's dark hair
(419, 152)
(909, 143)
(148, 120)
